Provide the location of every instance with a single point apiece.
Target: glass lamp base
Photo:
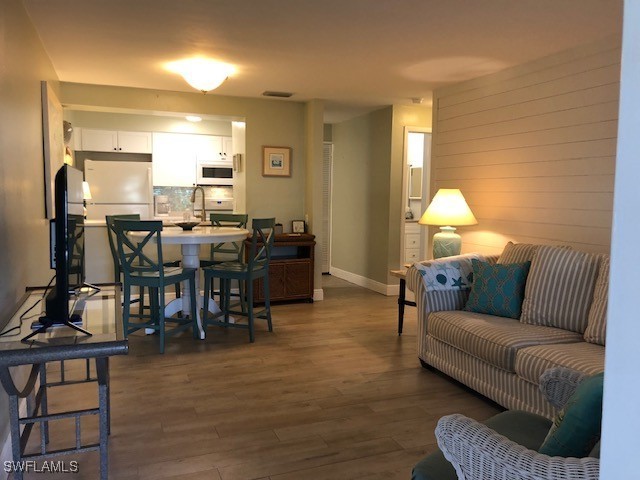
(446, 243)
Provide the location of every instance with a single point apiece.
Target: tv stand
(50, 322)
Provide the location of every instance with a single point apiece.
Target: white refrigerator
(119, 188)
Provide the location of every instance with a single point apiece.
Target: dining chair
(227, 251)
(117, 270)
(256, 267)
(141, 270)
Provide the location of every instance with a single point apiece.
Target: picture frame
(298, 226)
(53, 143)
(276, 161)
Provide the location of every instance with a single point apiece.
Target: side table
(402, 300)
(101, 314)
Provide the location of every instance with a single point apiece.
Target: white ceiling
(355, 54)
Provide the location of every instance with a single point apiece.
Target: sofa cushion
(576, 429)
(497, 289)
(597, 325)
(585, 357)
(517, 253)
(560, 288)
(492, 339)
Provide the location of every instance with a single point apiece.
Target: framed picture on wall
(276, 161)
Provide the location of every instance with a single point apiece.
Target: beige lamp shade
(448, 208)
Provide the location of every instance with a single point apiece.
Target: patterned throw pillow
(498, 289)
(560, 288)
(448, 273)
(597, 326)
(576, 429)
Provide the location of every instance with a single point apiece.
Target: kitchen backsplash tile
(180, 197)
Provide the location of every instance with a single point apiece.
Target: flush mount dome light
(202, 73)
(193, 118)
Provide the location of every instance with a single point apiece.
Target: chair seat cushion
(526, 429)
(585, 357)
(495, 340)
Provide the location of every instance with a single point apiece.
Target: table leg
(401, 304)
(190, 259)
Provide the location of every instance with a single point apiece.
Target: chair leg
(178, 292)
(126, 310)
(161, 304)
(243, 299)
(208, 289)
(250, 309)
(141, 300)
(227, 299)
(267, 301)
(194, 307)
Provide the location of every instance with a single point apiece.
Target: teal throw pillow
(576, 429)
(498, 289)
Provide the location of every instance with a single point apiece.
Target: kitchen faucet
(193, 200)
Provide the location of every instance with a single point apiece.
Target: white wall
(621, 422)
(533, 149)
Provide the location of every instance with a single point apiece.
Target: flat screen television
(67, 251)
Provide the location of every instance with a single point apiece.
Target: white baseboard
(318, 295)
(384, 289)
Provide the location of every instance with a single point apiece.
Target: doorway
(327, 172)
(416, 193)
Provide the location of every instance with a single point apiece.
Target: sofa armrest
(478, 452)
(558, 384)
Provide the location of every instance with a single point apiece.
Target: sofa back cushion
(597, 324)
(517, 253)
(560, 288)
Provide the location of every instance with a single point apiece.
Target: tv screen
(67, 243)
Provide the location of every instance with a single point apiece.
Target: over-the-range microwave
(215, 173)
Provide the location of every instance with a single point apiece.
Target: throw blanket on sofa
(448, 273)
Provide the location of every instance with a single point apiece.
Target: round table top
(200, 235)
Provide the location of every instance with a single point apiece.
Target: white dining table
(190, 241)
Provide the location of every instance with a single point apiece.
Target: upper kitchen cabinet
(227, 148)
(174, 159)
(208, 148)
(114, 141)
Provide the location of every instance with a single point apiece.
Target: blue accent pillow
(576, 429)
(498, 289)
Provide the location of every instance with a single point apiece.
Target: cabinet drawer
(411, 227)
(411, 255)
(412, 241)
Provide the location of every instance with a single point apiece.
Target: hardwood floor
(332, 393)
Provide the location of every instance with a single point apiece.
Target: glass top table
(101, 315)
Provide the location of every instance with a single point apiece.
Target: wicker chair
(478, 452)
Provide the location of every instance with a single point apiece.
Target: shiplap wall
(533, 149)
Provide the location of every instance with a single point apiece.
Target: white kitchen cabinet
(227, 148)
(207, 147)
(174, 159)
(116, 141)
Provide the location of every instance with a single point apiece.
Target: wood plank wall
(533, 149)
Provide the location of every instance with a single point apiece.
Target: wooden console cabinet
(290, 268)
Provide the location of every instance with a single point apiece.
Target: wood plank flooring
(332, 393)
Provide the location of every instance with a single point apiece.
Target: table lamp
(448, 208)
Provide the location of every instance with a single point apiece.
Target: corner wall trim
(365, 282)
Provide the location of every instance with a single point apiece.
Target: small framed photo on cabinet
(298, 226)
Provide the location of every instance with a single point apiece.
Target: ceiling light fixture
(202, 73)
(193, 118)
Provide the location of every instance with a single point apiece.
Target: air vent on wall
(277, 94)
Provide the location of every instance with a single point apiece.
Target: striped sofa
(503, 358)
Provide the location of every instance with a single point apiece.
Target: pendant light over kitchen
(202, 73)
